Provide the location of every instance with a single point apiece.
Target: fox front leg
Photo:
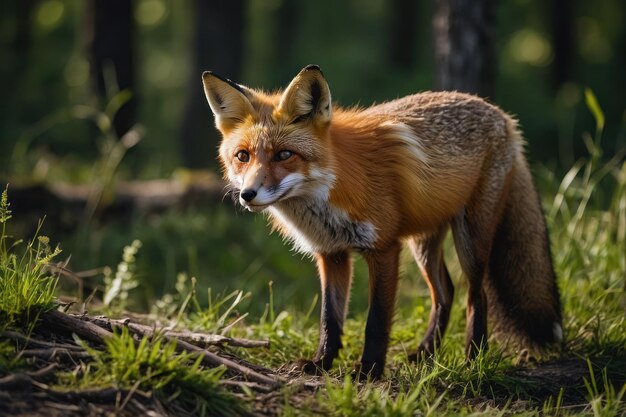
(383, 284)
(335, 272)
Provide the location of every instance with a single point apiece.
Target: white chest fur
(316, 226)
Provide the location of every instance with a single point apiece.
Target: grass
(154, 366)
(26, 287)
(586, 213)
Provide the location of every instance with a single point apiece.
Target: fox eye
(283, 155)
(243, 156)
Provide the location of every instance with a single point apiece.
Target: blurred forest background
(102, 92)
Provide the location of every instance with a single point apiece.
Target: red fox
(335, 181)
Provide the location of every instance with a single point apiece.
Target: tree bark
(464, 46)
(562, 41)
(402, 32)
(22, 40)
(287, 24)
(110, 51)
(217, 46)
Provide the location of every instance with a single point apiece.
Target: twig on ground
(199, 339)
(21, 380)
(84, 329)
(99, 395)
(210, 358)
(52, 353)
(29, 341)
(247, 384)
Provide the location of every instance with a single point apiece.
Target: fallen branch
(210, 358)
(99, 330)
(205, 339)
(25, 379)
(199, 339)
(29, 341)
(71, 324)
(53, 353)
(98, 395)
(242, 385)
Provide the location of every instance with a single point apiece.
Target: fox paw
(363, 371)
(305, 366)
(422, 353)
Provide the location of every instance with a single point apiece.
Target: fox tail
(522, 295)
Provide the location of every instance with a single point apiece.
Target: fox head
(274, 147)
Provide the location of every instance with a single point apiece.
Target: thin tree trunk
(464, 46)
(110, 50)
(402, 31)
(23, 30)
(217, 46)
(287, 21)
(562, 40)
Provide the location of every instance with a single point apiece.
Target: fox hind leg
(428, 254)
(474, 230)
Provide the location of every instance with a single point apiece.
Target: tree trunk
(217, 46)
(464, 46)
(23, 28)
(562, 40)
(110, 51)
(402, 31)
(287, 21)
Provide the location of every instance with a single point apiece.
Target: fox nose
(248, 194)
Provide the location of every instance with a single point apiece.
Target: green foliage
(588, 230)
(594, 107)
(155, 366)
(28, 163)
(5, 212)
(26, 287)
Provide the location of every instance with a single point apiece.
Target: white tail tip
(557, 331)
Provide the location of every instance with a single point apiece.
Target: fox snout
(248, 195)
(250, 198)
(256, 196)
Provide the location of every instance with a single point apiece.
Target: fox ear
(308, 96)
(228, 100)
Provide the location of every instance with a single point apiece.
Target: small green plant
(553, 406)
(219, 316)
(26, 286)
(155, 366)
(606, 400)
(8, 359)
(117, 287)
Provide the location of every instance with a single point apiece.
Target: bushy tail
(523, 298)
